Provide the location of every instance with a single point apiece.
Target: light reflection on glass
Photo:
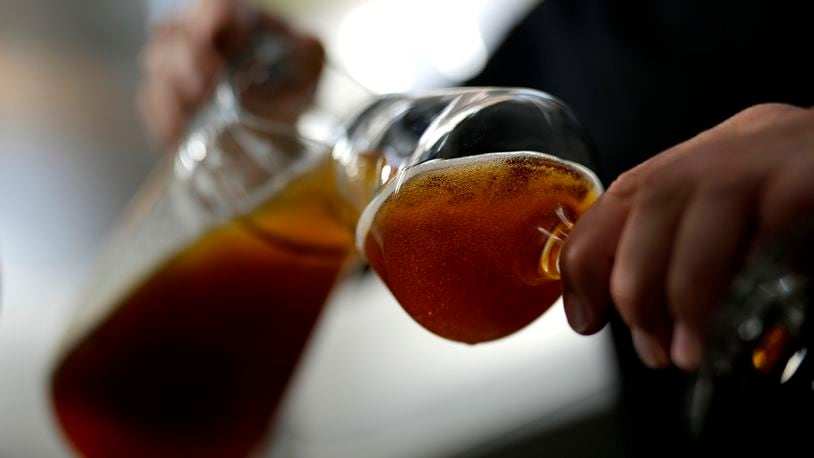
(793, 364)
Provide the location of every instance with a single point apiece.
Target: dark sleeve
(516, 62)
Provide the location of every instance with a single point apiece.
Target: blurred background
(72, 153)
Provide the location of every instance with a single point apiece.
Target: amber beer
(193, 360)
(468, 246)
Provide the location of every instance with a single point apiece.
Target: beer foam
(522, 166)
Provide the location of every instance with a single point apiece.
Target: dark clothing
(642, 76)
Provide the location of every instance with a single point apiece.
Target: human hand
(664, 240)
(184, 57)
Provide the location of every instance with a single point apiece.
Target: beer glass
(466, 196)
(203, 302)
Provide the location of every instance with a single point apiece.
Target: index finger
(588, 254)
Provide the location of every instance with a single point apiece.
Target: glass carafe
(210, 286)
(200, 308)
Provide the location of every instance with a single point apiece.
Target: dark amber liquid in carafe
(194, 360)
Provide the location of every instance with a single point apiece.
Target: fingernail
(686, 348)
(649, 349)
(577, 313)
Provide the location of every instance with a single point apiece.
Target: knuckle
(626, 294)
(756, 118)
(652, 184)
(658, 186)
(766, 109)
(625, 185)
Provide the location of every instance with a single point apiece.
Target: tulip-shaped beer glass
(473, 192)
